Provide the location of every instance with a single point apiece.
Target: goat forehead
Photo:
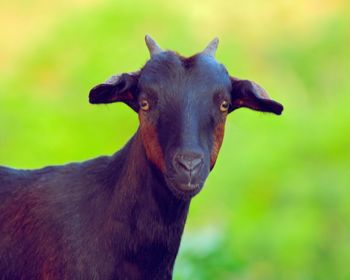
(169, 72)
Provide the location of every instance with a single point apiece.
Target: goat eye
(224, 106)
(144, 105)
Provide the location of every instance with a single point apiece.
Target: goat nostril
(189, 162)
(187, 165)
(196, 162)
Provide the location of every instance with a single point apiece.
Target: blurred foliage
(277, 205)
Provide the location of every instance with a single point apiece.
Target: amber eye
(224, 106)
(144, 105)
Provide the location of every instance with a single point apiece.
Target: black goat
(122, 217)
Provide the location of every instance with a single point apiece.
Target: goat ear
(250, 95)
(119, 88)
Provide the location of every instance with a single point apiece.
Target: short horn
(211, 48)
(152, 46)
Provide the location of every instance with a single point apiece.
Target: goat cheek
(218, 137)
(150, 141)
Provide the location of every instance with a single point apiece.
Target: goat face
(182, 104)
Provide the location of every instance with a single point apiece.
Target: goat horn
(211, 48)
(152, 46)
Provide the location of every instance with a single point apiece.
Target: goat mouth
(189, 187)
(183, 191)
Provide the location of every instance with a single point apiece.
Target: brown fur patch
(27, 221)
(150, 141)
(131, 270)
(218, 137)
(20, 219)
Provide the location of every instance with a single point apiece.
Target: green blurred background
(277, 205)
